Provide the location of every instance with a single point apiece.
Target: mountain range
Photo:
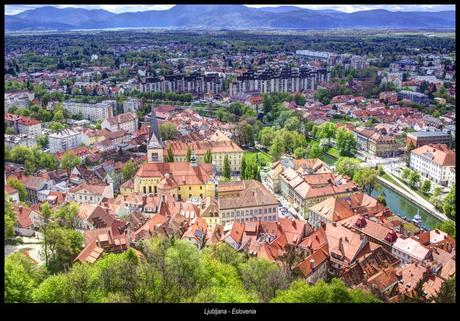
(224, 17)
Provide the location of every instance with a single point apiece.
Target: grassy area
(334, 152)
(405, 187)
(328, 159)
(251, 156)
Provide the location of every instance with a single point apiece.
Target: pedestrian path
(417, 199)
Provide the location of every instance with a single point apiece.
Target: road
(32, 244)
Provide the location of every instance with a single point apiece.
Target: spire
(154, 136)
(154, 130)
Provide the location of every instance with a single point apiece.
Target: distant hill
(224, 17)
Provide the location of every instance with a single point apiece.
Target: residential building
(315, 266)
(90, 194)
(36, 188)
(128, 122)
(218, 149)
(278, 80)
(13, 193)
(434, 162)
(335, 209)
(91, 111)
(131, 105)
(245, 201)
(64, 140)
(30, 127)
(179, 180)
(194, 82)
(424, 138)
(414, 97)
(383, 146)
(410, 251)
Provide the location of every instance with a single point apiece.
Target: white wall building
(434, 162)
(128, 122)
(64, 140)
(131, 105)
(93, 112)
(30, 127)
(409, 250)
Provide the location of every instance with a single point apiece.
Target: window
(189, 188)
(189, 195)
(201, 187)
(150, 189)
(145, 190)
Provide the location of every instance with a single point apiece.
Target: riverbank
(419, 201)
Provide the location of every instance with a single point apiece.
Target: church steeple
(155, 146)
(154, 130)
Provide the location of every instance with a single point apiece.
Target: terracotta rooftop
(437, 153)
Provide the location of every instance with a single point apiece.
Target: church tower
(155, 146)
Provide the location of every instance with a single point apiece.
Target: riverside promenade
(417, 199)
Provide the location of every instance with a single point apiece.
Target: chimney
(312, 264)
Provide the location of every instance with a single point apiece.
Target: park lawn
(328, 159)
(250, 156)
(404, 186)
(334, 152)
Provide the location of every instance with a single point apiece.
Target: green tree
(17, 184)
(326, 131)
(277, 148)
(208, 157)
(68, 161)
(426, 186)
(413, 179)
(334, 292)
(63, 245)
(168, 131)
(246, 134)
(57, 127)
(448, 227)
(405, 173)
(226, 170)
(66, 215)
(42, 141)
(435, 197)
(449, 203)
(447, 292)
(347, 166)
(19, 154)
(19, 281)
(300, 152)
(263, 278)
(346, 142)
(58, 116)
(315, 150)
(266, 136)
(366, 178)
(292, 123)
(243, 168)
(169, 154)
(10, 218)
(300, 100)
(129, 169)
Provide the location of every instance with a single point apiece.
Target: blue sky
(14, 9)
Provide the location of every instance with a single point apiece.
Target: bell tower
(155, 146)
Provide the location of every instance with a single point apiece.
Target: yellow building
(219, 149)
(383, 146)
(180, 180)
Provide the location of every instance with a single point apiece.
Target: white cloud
(14, 9)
